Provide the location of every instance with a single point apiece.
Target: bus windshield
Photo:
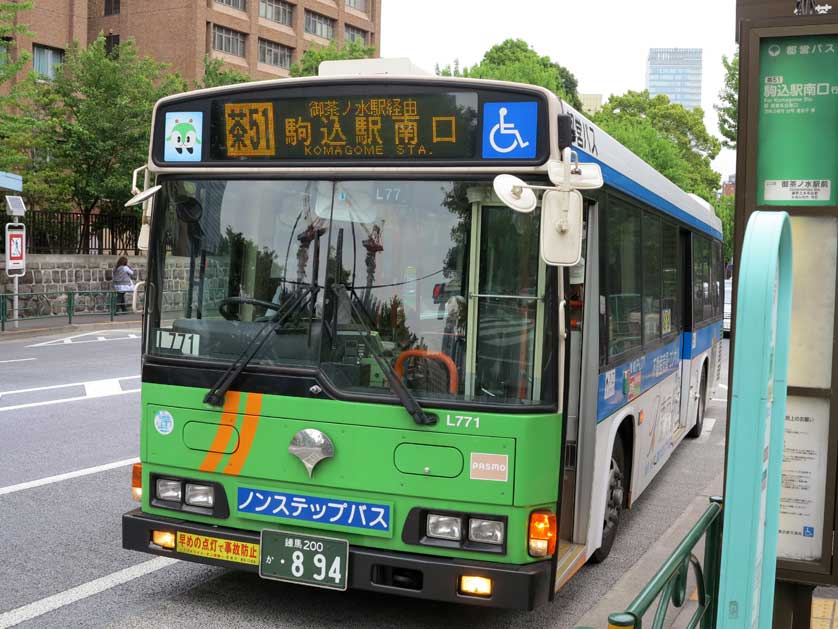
(364, 267)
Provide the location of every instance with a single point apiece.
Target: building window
(274, 54)
(352, 34)
(277, 11)
(241, 5)
(45, 60)
(320, 25)
(111, 44)
(111, 7)
(359, 5)
(227, 40)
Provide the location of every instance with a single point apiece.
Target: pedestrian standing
(123, 282)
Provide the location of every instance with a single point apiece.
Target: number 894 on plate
(306, 559)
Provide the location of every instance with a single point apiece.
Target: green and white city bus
(399, 336)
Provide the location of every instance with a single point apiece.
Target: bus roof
(628, 173)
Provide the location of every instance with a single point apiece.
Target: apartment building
(260, 38)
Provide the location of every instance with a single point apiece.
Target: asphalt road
(68, 432)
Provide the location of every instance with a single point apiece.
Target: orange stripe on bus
(252, 408)
(228, 418)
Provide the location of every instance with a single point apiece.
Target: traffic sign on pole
(15, 249)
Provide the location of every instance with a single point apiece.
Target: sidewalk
(633, 581)
(825, 609)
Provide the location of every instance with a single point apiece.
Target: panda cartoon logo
(183, 141)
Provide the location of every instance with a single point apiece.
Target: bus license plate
(307, 559)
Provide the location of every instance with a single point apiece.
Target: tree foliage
(309, 63)
(216, 74)
(669, 137)
(76, 139)
(724, 206)
(514, 60)
(728, 109)
(9, 30)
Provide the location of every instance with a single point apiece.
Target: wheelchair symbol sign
(510, 130)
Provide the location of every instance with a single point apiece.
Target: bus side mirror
(561, 227)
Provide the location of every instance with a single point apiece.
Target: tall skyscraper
(675, 72)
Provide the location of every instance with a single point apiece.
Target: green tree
(9, 31)
(728, 108)
(671, 138)
(309, 63)
(724, 206)
(514, 60)
(216, 75)
(77, 138)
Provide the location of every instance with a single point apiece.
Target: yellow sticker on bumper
(217, 548)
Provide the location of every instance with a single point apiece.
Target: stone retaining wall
(60, 274)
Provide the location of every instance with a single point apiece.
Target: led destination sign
(423, 126)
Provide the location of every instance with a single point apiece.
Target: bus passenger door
(579, 381)
(688, 402)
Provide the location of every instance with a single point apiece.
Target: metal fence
(669, 586)
(69, 305)
(63, 233)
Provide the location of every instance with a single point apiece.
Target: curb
(12, 335)
(628, 587)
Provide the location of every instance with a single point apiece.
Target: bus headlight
(168, 489)
(485, 531)
(445, 527)
(199, 495)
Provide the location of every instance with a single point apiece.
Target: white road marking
(719, 399)
(92, 389)
(63, 386)
(10, 489)
(102, 388)
(83, 591)
(17, 407)
(17, 360)
(71, 340)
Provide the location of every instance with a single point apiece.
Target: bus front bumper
(413, 575)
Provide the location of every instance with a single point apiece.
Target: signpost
(15, 240)
(755, 438)
(786, 162)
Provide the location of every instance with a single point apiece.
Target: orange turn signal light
(164, 539)
(543, 534)
(137, 482)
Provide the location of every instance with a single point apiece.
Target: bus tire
(614, 500)
(700, 407)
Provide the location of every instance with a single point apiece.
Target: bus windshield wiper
(398, 386)
(215, 396)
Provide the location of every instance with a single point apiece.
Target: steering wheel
(223, 307)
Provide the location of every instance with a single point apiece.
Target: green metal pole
(112, 303)
(2, 312)
(71, 305)
(712, 567)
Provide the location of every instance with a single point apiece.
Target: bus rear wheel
(699, 411)
(613, 502)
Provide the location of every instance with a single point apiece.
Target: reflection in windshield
(390, 257)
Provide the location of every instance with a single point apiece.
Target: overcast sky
(604, 43)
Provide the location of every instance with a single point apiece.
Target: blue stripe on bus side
(703, 340)
(630, 380)
(629, 186)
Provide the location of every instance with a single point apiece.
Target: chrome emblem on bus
(311, 446)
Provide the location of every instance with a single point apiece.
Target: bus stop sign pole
(15, 260)
(756, 427)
